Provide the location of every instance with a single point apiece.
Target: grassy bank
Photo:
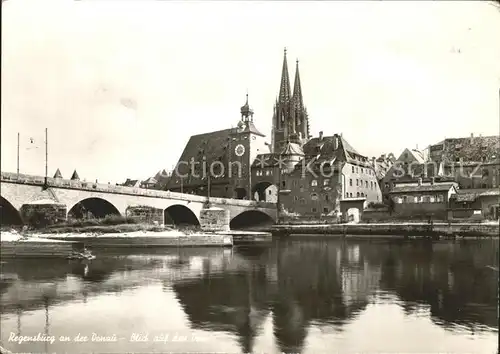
(109, 224)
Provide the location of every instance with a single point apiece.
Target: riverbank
(451, 230)
(164, 238)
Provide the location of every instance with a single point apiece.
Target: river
(296, 296)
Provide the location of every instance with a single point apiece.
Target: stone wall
(214, 219)
(41, 215)
(145, 214)
(376, 215)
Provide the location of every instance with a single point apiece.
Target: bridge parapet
(113, 189)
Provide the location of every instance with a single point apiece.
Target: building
(408, 167)
(474, 163)
(330, 178)
(382, 165)
(150, 183)
(422, 200)
(132, 183)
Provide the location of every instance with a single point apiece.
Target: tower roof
(284, 95)
(58, 174)
(246, 111)
(74, 176)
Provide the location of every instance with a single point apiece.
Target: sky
(122, 85)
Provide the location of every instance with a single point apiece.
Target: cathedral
(306, 175)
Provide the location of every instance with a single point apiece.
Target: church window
(314, 183)
(352, 169)
(296, 198)
(283, 183)
(325, 210)
(270, 192)
(301, 188)
(347, 195)
(302, 201)
(350, 195)
(357, 182)
(350, 182)
(327, 197)
(295, 183)
(361, 170)
(366, 184)
(357, 194)
(313, 210)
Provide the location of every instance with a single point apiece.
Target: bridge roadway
(17, 190)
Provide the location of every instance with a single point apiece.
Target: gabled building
(330, 178)
(408, 167)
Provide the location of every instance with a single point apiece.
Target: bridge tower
(246, 143)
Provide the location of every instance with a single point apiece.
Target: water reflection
(299, 287)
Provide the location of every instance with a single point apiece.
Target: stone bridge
(104, 199)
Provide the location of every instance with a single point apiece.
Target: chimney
(320, 135)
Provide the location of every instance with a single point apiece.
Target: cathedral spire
(297, 89)
(284, 95)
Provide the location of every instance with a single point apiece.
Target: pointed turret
(74, 176)
(285, 93)
(58, 174)
(246, 112)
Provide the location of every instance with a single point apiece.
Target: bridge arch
(9, 215)
(92, 208)
(250, 218)
(180, 215)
